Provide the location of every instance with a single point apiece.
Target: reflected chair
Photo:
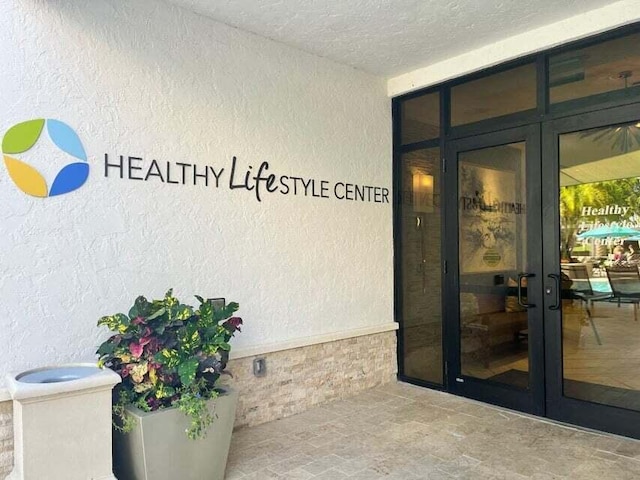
(625, 284)
(581, 289)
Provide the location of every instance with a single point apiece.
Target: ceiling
(388, 37)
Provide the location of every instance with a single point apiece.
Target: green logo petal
(23, 136)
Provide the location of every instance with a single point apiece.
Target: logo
(23, 136)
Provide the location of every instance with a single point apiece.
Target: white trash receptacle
(62, 422)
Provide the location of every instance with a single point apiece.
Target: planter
(159, 449)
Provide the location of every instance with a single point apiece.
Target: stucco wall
(148, 80)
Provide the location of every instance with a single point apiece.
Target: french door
(495, 276)
(542, 218)
(591, 195)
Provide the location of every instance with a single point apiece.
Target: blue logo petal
(66, 139)
(70, 178)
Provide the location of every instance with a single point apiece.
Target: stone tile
(323, 464)
(292, 463)
(458, 465)
(407, 433)
(353, 466)
(298, 474)
(366, 475)
(332, 474)
(233, 474)
(263, 474)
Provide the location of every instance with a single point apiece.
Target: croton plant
(169, 354)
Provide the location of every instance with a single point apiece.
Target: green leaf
(167, 357)
(157, 314)
(107, 348)
(118, 322)
(164, 391)
(183, 312)
(187, 371)
(23, 136)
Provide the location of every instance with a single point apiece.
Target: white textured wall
(147, 79)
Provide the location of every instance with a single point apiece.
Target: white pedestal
(62, 427)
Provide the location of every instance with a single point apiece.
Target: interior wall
(144, 79)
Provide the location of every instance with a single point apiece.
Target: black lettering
(324, 189)
(268, 180)
(313, 189)
(360, 193)
(335, 190)
(169, 174)
(306, 186)
(217, 175)
(348, 191)
(197, 175)
(369, 193)
(132, 167)
(184, 170)
(385, 195)
(108, 165)
(271, 179)
(377, 194)
(151, 173)
(233, 185)
(295, 184)
(285, 185)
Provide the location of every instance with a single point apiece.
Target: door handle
(520, 277)
(556, 279)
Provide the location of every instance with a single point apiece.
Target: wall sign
(261, 181)
(234, 176)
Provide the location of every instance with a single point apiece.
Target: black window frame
(541, 113)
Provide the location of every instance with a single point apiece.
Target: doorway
(543, 280)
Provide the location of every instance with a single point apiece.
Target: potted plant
(170, 357)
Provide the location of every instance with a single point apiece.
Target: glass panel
(492, 234)
(421, 271)
(600, 229)
(608, 66)
(493, 96)
(420, 118)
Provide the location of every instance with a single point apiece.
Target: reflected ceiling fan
(623, 138)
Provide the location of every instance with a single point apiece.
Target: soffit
(388, 37)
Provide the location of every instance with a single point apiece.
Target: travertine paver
(404, 432)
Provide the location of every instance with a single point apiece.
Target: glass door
(591, 193)
(495, 277)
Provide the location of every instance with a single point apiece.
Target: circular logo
(23, 136)
(491, 257)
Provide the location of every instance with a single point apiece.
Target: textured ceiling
(388, 37)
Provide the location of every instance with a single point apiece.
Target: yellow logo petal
(26, 177)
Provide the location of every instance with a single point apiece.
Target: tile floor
(405, 432)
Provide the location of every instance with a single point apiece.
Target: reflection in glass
(600, 230)
(492, 239)
(420, 118)
(421, 272)
(605, 67)
(495, 95)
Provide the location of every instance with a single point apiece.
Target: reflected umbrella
(609, 231)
